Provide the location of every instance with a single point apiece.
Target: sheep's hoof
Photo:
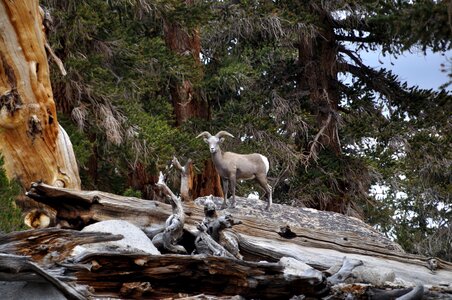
(224, 206)
(267, 207)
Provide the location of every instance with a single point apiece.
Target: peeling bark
(34, 145)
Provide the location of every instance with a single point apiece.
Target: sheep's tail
(267, 164)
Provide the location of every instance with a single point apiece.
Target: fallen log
(118, 275)
(320, 239)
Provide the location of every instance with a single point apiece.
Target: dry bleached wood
(174, 225)
(186, 178)
(345, 271)
(320, 239)
(259, 237)
(211, 239)
(145, 276)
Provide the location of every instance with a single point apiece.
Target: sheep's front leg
(225, 192)
(233, 180)
(269, 195)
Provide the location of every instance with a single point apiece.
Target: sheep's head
(214, 141)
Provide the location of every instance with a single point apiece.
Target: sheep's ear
(206, 140)
(221, 140)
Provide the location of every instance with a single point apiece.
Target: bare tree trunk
(34, 145)
(208, 182)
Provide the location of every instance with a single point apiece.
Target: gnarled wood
(153, 276)
(320, 239)
(34, 145)
(174, 225)
(186, 179)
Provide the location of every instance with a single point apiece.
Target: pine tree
(272, 73)
(276, 72)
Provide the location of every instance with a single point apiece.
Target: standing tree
(278, 69)
(272, 72)
(131, 108)
(183, 39)
(35, 147)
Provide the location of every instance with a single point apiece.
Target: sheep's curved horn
(205, 134)
(223, 133)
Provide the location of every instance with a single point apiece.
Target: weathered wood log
(206, 245)
(51, 245)
(168, 274)
(156, 276)
(212, 239)
(174, 224)
(320, 239)
(187, 174)
(345, 271)
(40, 252)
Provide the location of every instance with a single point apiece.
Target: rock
(20, 290)
(134, 238)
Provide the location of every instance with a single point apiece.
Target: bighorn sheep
(232, 166)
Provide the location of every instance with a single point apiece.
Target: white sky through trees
(417, 69)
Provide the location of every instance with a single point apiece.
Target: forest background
(145, 77)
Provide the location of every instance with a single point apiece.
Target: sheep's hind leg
(268, 190)
(225, 192)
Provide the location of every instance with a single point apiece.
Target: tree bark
(318, 72)
(187, 100)
(208, 182)
(34, 145)
(318, 61)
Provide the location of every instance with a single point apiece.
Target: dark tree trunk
(187, 100)
(140, 179)
(320, 83)
(318, 76)
(208, 182)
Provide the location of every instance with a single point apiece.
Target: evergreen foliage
(10, 215)
(271, 73)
